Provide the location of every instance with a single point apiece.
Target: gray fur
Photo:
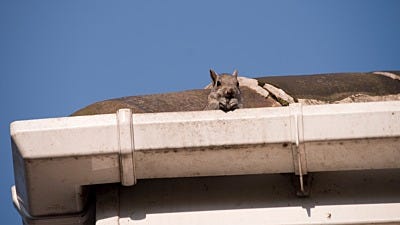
(225, 92)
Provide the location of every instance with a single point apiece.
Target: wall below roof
(352, 197)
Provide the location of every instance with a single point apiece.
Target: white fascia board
(55, 158)
(211, 128)
(351, 121)
(66, 136)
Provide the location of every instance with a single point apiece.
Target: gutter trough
(57, 160)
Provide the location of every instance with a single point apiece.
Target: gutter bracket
(126, 147)
(298, 148)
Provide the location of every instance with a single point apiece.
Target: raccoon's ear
(213, 76)
(235, 73)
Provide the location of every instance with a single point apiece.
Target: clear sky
(58, 56)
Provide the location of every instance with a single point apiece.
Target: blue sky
(58, 56)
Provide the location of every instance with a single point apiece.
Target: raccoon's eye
(218, 83)
(237, 84)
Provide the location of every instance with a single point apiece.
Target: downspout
(54, 159)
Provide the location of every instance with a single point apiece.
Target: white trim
(54, 158)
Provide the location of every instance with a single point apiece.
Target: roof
(308, 89)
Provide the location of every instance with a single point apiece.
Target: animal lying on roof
(225, 92)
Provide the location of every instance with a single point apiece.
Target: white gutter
(54, 159)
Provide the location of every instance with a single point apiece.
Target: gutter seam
(126, 147)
